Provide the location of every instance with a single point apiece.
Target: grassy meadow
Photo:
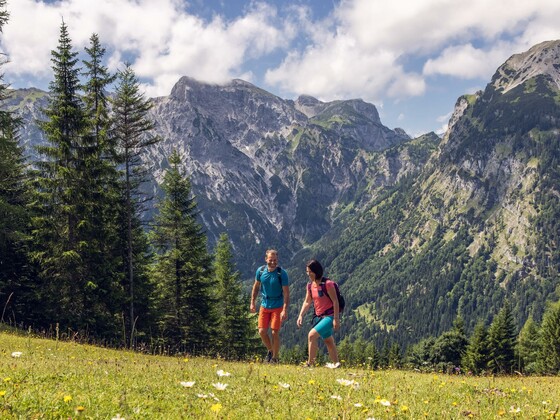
(46, 379)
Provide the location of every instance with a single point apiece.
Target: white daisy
(187, 384)
(333, 365)
(284, 385)
(220, 386)
(16, 354)
(222, 373)
(336, 397)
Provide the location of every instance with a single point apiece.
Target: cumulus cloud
(158, 37)
(377, 50)
(369, 43)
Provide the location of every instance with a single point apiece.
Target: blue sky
(411, 58)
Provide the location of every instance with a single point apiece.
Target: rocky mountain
(478, 224)
(416, 231)
(271, 172)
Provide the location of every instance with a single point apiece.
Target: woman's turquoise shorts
(325, 327)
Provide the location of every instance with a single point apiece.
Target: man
(275, 292)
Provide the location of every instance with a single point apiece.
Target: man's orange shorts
(270, 318)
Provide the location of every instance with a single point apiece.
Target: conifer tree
(237, 332)
(501, 341)
(185, 288)
(131, 134)
(528, 345)
(449, 348)
(14, 218)
(100, 228)
(476, 353)
(549, 355)
(62, 196)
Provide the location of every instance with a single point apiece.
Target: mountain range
(415, 230)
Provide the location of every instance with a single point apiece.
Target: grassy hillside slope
(46, 379)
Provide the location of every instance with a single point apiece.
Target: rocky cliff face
(476, 225)
(270, 172)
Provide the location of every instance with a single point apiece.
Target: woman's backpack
(341, 301)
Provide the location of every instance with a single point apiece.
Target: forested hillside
(478, 225)
(124, 218)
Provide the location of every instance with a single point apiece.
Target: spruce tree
(14, 218)
(131, 134)
(237, 331)
(186, 290)
(549, 355)
(501, 341)
(62, 192)
(528, 345)
(476, 353)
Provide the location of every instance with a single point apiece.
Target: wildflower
(216, 408)
(202, 395)
(185, 360)
(284, 385)
(16, 354)
(345, 382)
(336, 397)
(67, 398)
(358, 405)
(220, 386)
(501, 412)
(187, 384)
(7, 379)
(512, 409)
(80, 408)
(333, 365)
(118, 417)
(222, 373)
(2, 393)
(385, 403)
(311, 381)
(404, 408)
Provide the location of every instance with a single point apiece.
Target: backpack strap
(324, 281)
(259, 273)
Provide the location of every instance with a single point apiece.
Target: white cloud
(370, 43)
(160, 39)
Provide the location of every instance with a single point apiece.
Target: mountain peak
(541, 59)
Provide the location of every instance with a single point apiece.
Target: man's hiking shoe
(268, 357)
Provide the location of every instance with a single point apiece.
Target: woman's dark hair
(316, 267)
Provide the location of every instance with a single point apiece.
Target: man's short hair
(271, 251)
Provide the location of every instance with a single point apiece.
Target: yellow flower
(311, 382)
(67, 398)
(216, 408)
(501, 412)
(404, 408)
(2, 393)
(454, 404)
(80, 408)
(185, 360)
(7, 379)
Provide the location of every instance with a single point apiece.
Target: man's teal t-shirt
(271, 287)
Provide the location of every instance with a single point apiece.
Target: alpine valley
(415, 230)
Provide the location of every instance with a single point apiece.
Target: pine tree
(100, 228)
(131, 134)
(450, 347)
(528, 344)
(237, 332)
(186, 293)
(61, 195)
(549, 355)
(476, 353)
(501, 341)
(14, 218)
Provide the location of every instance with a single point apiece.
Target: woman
(326, 310)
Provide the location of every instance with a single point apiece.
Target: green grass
(61, 380)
